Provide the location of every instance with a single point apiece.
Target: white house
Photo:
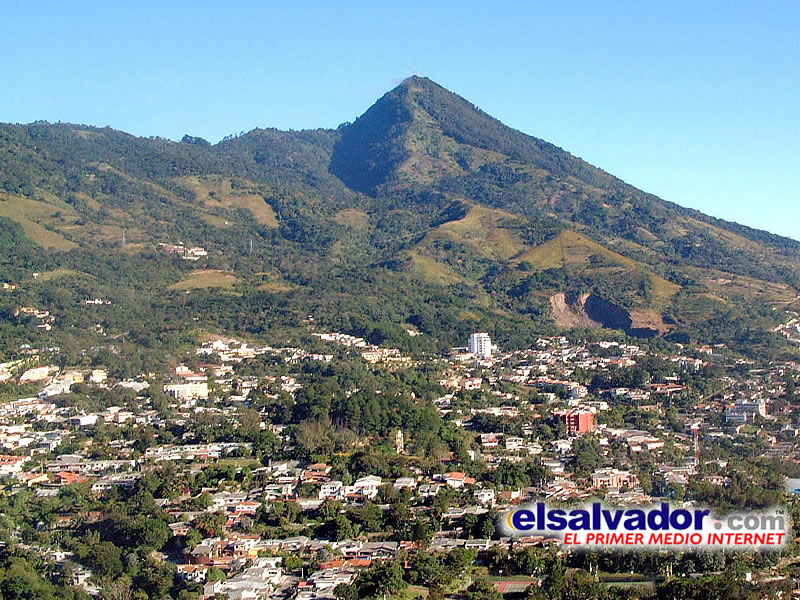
(83, 420)
(331, 490)
(11, 465)
(513, 442)
(458, 479)
(485, 496)
(258, 581)
(366, 486)
(562, 446)
(405, 482)
(429, 490)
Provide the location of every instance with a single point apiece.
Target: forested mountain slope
(424, 211)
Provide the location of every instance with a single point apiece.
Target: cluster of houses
(194, 253)
(790, 329)
(257, 573)
(369, 352)
(44, 317)
(231, 351)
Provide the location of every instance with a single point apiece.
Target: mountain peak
(402, 136)
(371, 147)
(419, 81)
(420, 132)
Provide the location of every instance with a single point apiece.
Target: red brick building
(578, 421)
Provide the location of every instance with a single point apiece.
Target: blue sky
(697, 102)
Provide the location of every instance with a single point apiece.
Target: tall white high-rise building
(480, 344)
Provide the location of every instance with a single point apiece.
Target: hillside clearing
(352, 217)
(482, 228)
(206, 278)
(26, 212)
(570, 248)
(218, 192)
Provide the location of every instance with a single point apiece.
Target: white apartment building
(480, 344)
(184, 391)
(746, 410)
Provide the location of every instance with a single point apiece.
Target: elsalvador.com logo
(660, 525)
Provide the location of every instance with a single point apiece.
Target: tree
(588, 455)
(20, 581)
(264, 445)
(484, 525)
(482, 589)
(314, 436)
(421, 531)
(528, 562)
(382, 578)
(399, 516)
(575, 585)
(249, 422)
(714, 587)
(151, 532)
(210, 524)
(428, 569)
(105, 559)
(292, 562)
(498, 558)
(346, 592)
(329, 509)
(339, 528)
(156, 578)
(118, 589)
(369, 517)
(459, 560)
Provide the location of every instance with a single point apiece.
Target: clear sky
(697, 102)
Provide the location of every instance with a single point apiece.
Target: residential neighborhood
(255, 505)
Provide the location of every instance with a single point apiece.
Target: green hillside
(423, 211)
